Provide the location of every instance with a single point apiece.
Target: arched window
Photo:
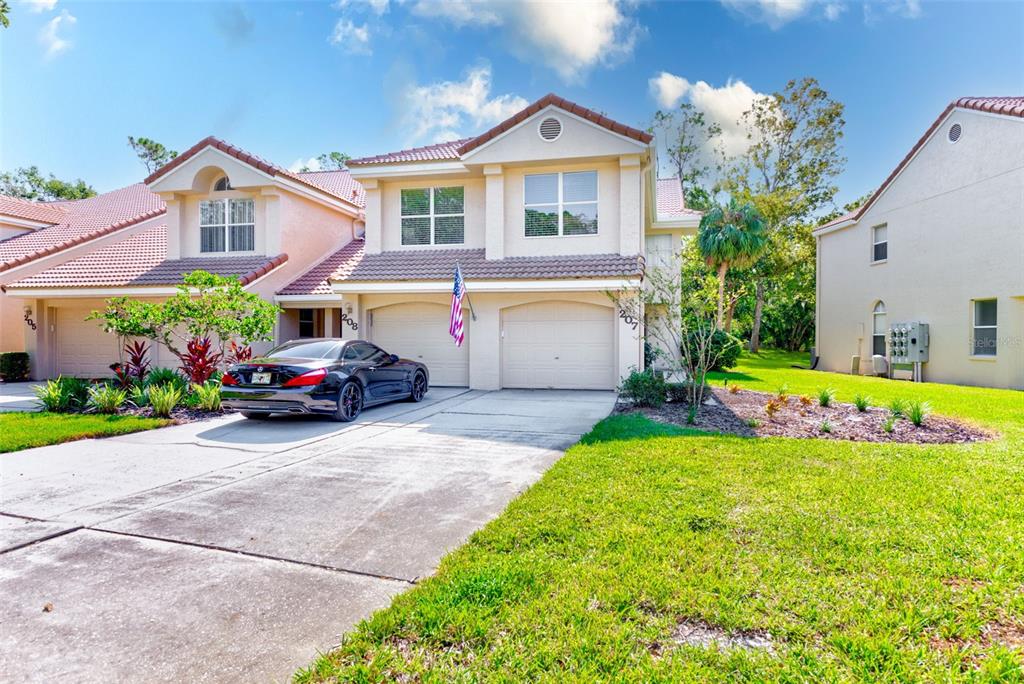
(879, 329)
(222, 184)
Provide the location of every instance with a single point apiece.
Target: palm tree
(730, 236)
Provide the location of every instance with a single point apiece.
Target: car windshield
(320, 349)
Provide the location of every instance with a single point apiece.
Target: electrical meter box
(908, 342)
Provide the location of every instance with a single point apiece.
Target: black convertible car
(333, 377)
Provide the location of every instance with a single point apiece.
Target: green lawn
(864, 562)
(25, 430)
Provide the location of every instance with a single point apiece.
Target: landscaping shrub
(862, 402)
(725, 349)
(644, 388)
(55, 396)
(137, 365)
(889, 424)
(806, 401)
(826, 427)
(773, 406)
(166, 376)
(208, 396)
(678, 392)
(199, 361)
(14, 366)
(898, 408)
(121, 376)
(139, 395)
(163, 399)
(106, 398)
(238, 353)
(917, 411)
(826, 396)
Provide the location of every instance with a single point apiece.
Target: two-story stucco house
(941, 242)
(544, 213)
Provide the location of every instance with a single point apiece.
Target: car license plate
(261, 378)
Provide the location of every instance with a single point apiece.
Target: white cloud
(351, 38)
(668, 89)
(378, 7)
(51, 34)
(571, 37)
(38, 6)
(311, 164)
(904, 9)
(775, 13)
(449, 110)
(833, 10)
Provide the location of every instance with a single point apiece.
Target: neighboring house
(941, 242)
(545, 213)
(214, 208)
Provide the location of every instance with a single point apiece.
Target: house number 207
(345, 319)
(629, 319)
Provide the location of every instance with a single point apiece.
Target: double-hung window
(227, 225)
(561, 204)
(879, 243)
(985, 337)
(433, 216)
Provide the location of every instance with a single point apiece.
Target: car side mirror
(393, 358)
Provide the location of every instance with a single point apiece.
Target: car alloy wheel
(419, 387)
(350, 402)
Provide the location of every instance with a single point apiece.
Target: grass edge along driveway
(20, 430)
(863, 562)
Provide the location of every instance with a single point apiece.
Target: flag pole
(469, 301)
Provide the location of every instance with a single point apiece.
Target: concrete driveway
(235, 549)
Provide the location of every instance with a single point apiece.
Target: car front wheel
(419, 387)
(350, 402)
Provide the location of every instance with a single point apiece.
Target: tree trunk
(729, 313)
(723, 268)
(755, 331)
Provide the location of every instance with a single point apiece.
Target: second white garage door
(83, 349)
(420, 332)
(565, 345)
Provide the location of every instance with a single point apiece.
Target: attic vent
(954, 132)
(550, 128)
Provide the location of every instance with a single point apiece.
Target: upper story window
(985, 337)
(433, 216)
(222, 185)
(879, 327)
(227, 225)
(879, 243)
(561, 204)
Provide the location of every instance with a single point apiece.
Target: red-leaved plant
(238, 353)
(199, 362)
(137, 366)
(124, 379)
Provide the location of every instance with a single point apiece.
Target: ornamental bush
(725, 349)
(644, 388)
(14, 366)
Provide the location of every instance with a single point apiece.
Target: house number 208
(629, 319)
(345, 319)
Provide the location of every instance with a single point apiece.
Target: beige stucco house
(941, 242)
(545, 213)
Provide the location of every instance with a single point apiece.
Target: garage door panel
(558, 344)
(419, 331)
(83, 349)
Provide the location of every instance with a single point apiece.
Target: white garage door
(420, 332)
(565, 345)
(83, 349)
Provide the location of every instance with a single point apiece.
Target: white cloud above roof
(775, 13)
(447, 110)
(53, 34)
(570, 37)
(352, 38)
(38, 6)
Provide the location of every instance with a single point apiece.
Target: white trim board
(576, 285)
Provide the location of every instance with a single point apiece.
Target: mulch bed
(178, 415)
(733, 413)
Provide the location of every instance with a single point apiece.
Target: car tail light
(228, 380)
(313, 377)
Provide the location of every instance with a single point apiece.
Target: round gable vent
(955, 132)
(550, 128)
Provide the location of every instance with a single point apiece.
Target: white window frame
(975, 327)
(875, 313)
(227, 225)
(432, 216)
(562, 205)
(875, 243)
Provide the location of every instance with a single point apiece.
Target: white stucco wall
(955, 220)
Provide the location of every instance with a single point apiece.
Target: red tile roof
(83, 220)
(339, 183)
(42, 212)
(456, 148)
(350, 263)
(141, 260)
(263, 165)
(1008, 106)
(670, 201)
(436, 152)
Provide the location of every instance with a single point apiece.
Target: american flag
(455, 320)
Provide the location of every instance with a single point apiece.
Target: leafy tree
(5, 9)
(330, 161)
(205, 306)
(686, 133)
(730, 236)
(152, 154)
(788, 172)
(28, 183)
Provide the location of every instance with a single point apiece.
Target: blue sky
(290, 80)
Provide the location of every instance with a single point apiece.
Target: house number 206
(629, 319)
(345, 319)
